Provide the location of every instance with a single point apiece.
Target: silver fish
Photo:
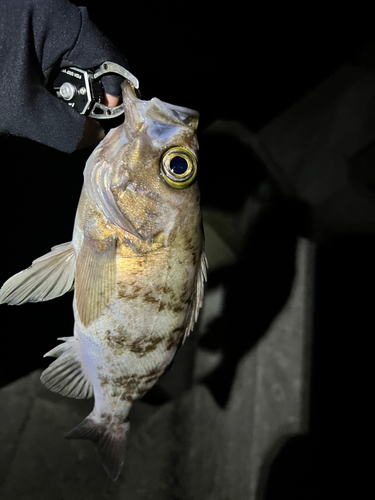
(137, 263)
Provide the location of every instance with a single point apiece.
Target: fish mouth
(139, 113)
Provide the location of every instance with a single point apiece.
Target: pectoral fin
(48, 277)
(95, 279)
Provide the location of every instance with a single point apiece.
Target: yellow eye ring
(178, 166)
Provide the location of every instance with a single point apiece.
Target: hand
(93, 132)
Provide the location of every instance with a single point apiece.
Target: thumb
(93, 133)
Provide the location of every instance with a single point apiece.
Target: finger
(93, 133)
(111, 101)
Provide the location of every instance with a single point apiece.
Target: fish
(136, 263)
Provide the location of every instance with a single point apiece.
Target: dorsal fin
(197, 304)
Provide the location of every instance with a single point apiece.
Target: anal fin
(65, 375)
(109, 441)
(48, 277)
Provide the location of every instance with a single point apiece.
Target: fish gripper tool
(82, 89)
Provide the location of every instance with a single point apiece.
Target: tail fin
(109, 441)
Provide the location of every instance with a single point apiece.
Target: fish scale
(138, 267)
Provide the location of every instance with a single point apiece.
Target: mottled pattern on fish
(138, 263)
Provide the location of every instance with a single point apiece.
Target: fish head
(142, 176)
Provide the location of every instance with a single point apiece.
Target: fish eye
(178, 166)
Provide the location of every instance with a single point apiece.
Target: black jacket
(35, 37)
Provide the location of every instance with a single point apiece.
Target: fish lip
(140, 113)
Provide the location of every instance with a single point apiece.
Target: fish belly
(128, 348)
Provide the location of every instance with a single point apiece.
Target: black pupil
(178, 165)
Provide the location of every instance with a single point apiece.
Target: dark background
(234, 62)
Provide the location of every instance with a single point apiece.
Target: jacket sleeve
(36, 36)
